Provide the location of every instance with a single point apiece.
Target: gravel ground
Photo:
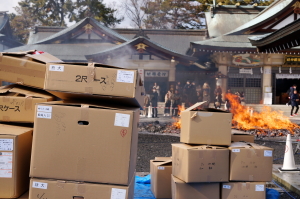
(151, 146)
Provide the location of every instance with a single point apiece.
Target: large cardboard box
(24, 196)
(15, 150)
(182, 190)
(93, 80)
(52, 189)
(17, 103)
(200, 163)
(209, 126)
(242, 138)
(250, 162)
(84, 143)
(234, 190)
(26, 68)
(161, 170)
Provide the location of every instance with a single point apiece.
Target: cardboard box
(242, 138)
(182, 190)
(200, 163)
(233, 190)
(84, 143)
(209, 126)
(17, 103)
(24, 196)
(25, 68)
(52, 189)
(15, 150)
(161, 170)
(93, 80)
(250, 162)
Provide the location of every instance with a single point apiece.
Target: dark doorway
(282, 87)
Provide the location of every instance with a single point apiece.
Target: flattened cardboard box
(200, 163)
(161, 170)
(182, 190)
(15, 151)
(25, 68)
(210, 126)
(51, 189)
(250, 162)
(234, 190)
(17, 103)
(93, 80)
(242, 138)
(84, 143)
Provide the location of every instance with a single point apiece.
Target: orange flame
(267, 119)
(177, 124)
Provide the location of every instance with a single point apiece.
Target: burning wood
(266, 122)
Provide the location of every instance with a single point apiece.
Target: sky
(8, 5)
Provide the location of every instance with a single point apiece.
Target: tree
(173, 14)
(135, 11)
(21, 24)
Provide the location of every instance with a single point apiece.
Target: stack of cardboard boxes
(86, 145)
(206, 165)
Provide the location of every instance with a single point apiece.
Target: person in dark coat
(175, 101)
(154, 100)
(294, 102)
(218, 100)
(290, 93)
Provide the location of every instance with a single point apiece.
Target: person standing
(175, 101)
(294, 102)
(291, 92)
(154, 101)
(146, 104)
(156, 87)
(206, 94)
(227, 101)
(168, 97)
(218, 100)
(178, 87)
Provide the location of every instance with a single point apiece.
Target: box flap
(14, 88)
(163, 158)
(195, 106)
(45, 57)
(13, 130)
(22, 53)
(162, 163)
(5, 89)
(246, 145)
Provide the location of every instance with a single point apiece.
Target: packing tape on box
(214, 154)
(5, 99)
(251, 178)
(60, 184)
(80, 188)
(23, 63)
(201, 154)
(248, 185)
(194, 115)
(28, 103)
(81, 164)
(208, 179)
(208, 141)
(88, 90)
(84, 112)
(23, 71)
(240, 186)
(6, 118)
(20, 81)
(90, 72)
(249, 153)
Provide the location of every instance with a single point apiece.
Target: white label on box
(6, 160)
(59, 68)
(226, 187)
(39, 185)
(236, 150)
(122, 120)
(125, 76)
(47, 109)
(118, 193)
(6, 144)
(43, 115)
(161, 168)
(260, 187)
(268, 153)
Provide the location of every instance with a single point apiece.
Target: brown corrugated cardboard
(242, 138)
(161, 170)
(209, 126)
(24, 196)
(86, 80)
(51, 189)
(17, 103)
(25, 68)
(250, 162)
(84, 143)
(236, 190)
(200, 163)
(15, 150)
(182, 190)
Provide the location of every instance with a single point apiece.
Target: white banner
(246, 71)
(156, 73)
(287, 76)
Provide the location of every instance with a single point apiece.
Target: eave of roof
(79, 25)
(147, 42)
